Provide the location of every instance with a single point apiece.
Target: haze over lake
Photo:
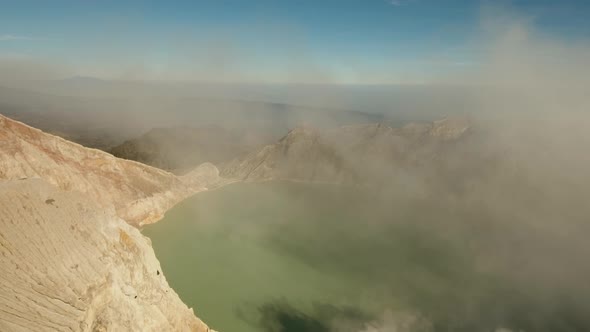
(314, 257)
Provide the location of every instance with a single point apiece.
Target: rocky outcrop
(139, 193)
(300, 155)
(70, 257)
(70, 265)
(350, 153)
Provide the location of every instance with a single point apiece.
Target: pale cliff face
(140, 194)
(70, 257)
(68, 265)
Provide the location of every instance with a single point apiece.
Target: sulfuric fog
(488, 232)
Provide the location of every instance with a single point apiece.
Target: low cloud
(17, 67)
(398, 3)
(9, 37)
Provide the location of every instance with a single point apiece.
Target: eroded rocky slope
(69, 265)
(139, 193)
(70, 257)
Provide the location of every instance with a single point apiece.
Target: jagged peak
(447, 128)
(450, 128)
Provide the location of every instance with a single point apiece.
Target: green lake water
(300, 257)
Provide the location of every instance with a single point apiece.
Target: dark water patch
(281, 316)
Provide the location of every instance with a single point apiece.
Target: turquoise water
(217, 252)
(299, 257)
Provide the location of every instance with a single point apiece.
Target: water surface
(296, 257)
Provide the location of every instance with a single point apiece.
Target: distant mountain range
(406, 101)
(105, 122)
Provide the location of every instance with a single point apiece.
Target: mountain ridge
(143, 193)
(345, 153)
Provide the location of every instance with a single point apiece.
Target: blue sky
(345, 41)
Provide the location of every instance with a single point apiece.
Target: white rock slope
(139, 193)
(69, 265)
(70, 258)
